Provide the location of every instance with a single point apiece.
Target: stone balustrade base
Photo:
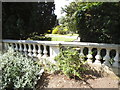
(104, 70)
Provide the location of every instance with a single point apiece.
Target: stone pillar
(54, 51)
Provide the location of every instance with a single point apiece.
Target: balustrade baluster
(29, 50)
(34, 50)
(98, 57)
(11, 44)
(81, 54)
(6, 46)
(116, 59)
(89, 56)
(107, 57)
(16, 47)
(39, 52)
(25, 49)
(45, 51)
(20, 47)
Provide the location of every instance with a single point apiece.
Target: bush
(49, 66)
(18, 71)
(69, 62)
(36, 36)
(55, 30)
(42, 38)
(58, 30)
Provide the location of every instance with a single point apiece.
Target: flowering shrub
(18, 71)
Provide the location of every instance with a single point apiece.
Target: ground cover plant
(18, 71)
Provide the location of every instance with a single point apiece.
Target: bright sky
(59, 4)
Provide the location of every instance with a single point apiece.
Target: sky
(59, 4)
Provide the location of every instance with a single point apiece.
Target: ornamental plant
(70, 63)
(18, 71)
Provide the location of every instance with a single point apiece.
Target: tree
(21, 19)
(69, 20)
(96, 21)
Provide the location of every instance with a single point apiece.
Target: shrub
(69, 62)
(55, 30)
(49, 66)
(18, 71)
(37, 37)
(49, 31)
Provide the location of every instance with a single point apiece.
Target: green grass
(62, 39)
(61, 35)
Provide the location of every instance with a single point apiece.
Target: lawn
(58, 37)
(62, 39)
(61, 35)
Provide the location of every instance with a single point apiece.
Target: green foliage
(18, 71)
(49, 66)
(42, 38)
(99, 22)
(49, 31)
(94, 21)
(69, 20)
(69, 62)
(36, 36)
(55, 30)
(60, 30)
(23, 18)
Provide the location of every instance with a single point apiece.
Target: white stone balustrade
(107, 57)
(39, 49)
(98, 57)
(89, 56)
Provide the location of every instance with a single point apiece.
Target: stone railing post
(54, 51)
(34, 51)
(98, 57)
(89, 56)
(16, 47)
(81, 54)
(107, 57)
(116, 59)
(29, 50)
(20, 47)
(25, 49)
(45, 51)
(39, 52)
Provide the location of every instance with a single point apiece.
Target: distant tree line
(21, 19)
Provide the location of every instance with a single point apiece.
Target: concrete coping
(57, 43)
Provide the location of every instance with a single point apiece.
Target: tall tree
(96, 21)
(20, 19)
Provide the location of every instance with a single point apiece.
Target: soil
(89, 81)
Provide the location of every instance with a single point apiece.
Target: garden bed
(89, 81)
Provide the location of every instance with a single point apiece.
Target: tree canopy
(21, 19)
(94, 21)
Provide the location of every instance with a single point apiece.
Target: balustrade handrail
(35, 48)
(54, 43)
